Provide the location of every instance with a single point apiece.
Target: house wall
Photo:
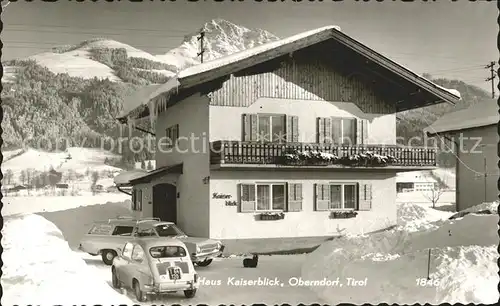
(226, 122)
(471, 185)
(227, 223)
(312, 74)
(192, 205)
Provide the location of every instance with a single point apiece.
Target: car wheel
(190, 293)
(108, 256)
(139, 294)
(204, 263)
(114, 279)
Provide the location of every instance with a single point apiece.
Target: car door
(139, 265)
(122, 263)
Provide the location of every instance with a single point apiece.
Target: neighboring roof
(124, 178)
(475, 116)
(175, 169)
(220, 67)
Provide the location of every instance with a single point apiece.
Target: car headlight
(198, 249)
(219, 245)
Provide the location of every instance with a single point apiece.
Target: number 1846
(424, 282)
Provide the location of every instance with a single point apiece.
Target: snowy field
(77, 159)
(462, 267)
(462, 264)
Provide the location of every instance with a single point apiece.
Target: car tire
(114, 279)
(190, 293)
(139, 294)
(108, 256)
(204, 263)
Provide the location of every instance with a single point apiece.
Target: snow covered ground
(39, 266)
(74, 158)
(53, 236)
(462, 266)
(221, 285)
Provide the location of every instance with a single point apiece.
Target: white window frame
(342, 192)
(281, 116)
(270, 196)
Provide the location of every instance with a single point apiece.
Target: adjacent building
(472, 133)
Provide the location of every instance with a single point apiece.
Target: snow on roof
(125, 177)
(144, 96)
(238, 56)
(452, 91)
(477, 115)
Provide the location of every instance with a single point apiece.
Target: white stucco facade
(227, 223)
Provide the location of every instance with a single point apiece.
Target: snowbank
(39, 267)
(484, 208)
(412, 217)
(467, 274)
(393, 260)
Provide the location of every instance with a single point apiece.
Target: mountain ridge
(76, 91)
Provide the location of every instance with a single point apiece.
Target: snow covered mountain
(221, 38)
(95, 58)
(76, 91)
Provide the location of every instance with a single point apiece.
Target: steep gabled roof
(475, 116)
(227, 65)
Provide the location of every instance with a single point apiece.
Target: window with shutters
(341, 130)
(277, 128)
(172, 134)
(336, 196)
(270, 197)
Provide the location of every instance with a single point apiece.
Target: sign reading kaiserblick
(222, 196)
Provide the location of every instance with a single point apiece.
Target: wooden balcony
(238, 154)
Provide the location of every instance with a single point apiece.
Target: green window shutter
(250, 128)
(294, 196)
(292, 128)
(361, 131)
(364, 197)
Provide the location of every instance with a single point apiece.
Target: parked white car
(154, 266)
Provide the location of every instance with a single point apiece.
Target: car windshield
(168, 230)
(167, 251)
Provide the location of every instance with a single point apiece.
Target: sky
(443, 38)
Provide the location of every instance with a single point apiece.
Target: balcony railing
(307, 154)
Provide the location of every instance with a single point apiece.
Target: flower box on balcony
(343, 214)
(270, 216)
